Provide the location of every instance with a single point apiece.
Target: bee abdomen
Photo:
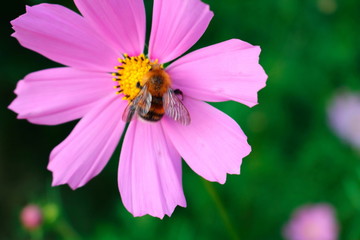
(156, 111)
(152, 116)
(156, 101)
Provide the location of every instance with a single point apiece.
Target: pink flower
(344, 117)
(149, 178)
(31, 217)
(312, 222)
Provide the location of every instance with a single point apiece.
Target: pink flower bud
(312, 222)
(31, 217)
(344, 117)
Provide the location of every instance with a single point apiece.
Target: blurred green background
(310, 50)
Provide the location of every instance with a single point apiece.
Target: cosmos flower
(344, 117)
(312, 222)
(31, 217)
(111, 33)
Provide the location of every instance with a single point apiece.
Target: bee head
(155, 67)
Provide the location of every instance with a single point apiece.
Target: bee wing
(175, 109)
(143, 99)
(129, 112)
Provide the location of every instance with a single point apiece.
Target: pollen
(130, 73)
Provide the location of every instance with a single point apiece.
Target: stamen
(130, 73)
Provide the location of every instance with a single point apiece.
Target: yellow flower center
(130, 74)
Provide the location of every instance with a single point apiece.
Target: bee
(157, 98)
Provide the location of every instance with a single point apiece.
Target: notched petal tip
(76, 93)
(14, 24)
(221, 181)
(27, 11)
(88, 148)
(57, 181)
(252, 104)
(58, 178)
(149, 177)
(14, 35)
(213, 145)
(63, 36)
(188, 21)
(121, 22)
(14, 107)
(54, 183)
(207, 9)
(11, 106)
(230, 69)
(27, 7)
(159, 215)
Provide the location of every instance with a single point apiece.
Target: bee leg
(179, 92)
(138, 85)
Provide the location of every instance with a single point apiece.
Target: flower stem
(64, 229)
(222, 211)
(36, 234)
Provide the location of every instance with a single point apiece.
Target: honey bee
(157, 98)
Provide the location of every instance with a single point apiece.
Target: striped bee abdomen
(156, 110)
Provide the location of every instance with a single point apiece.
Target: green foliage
(310, 50)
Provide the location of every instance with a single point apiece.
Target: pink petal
(63, 36)
(150, 171)
(85, 152)
(59, 95)
(122, 22)
(225, 71)
(212, 145)
(177, 25)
